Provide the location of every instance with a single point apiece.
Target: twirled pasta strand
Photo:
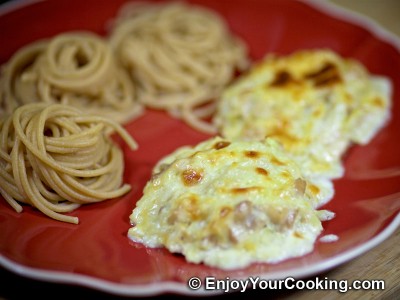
(54, 157)
(179, 56)
(75, 68)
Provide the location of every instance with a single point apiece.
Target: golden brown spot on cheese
(244, 190)
(276, 161)
(327, 81)
(283, 136)
(281, 132)
(191, 177)
(286, 174)
(314, 189)
(262, 171)
(317, 113)
(191, 206)
(252, 154)
(378, 102)
(298, 234)
(327, 75)
(282, 78)
(221, 144)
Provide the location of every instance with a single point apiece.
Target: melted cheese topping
(229, 204)
(315, 103)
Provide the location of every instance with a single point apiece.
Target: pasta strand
(179, 56)
(55, 168)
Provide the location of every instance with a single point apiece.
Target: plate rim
(356, 18)
(156, 288)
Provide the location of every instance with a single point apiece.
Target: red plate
(97, 253)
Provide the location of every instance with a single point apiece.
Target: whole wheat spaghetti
(75, 68)
(56, 158)
(179, 56)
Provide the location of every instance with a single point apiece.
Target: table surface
(382, 262)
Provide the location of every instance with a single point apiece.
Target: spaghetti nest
(180, 57)
(56, 158)
(75, 68)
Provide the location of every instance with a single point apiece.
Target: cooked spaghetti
(180, 57)
(75, 68)
(56, 158)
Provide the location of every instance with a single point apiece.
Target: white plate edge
(153, 289)
(355, 18)
(157, 288)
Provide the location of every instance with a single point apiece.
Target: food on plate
(74, 68)
(179, 55)
(231, 203)
(314, 102)
(56, 158)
